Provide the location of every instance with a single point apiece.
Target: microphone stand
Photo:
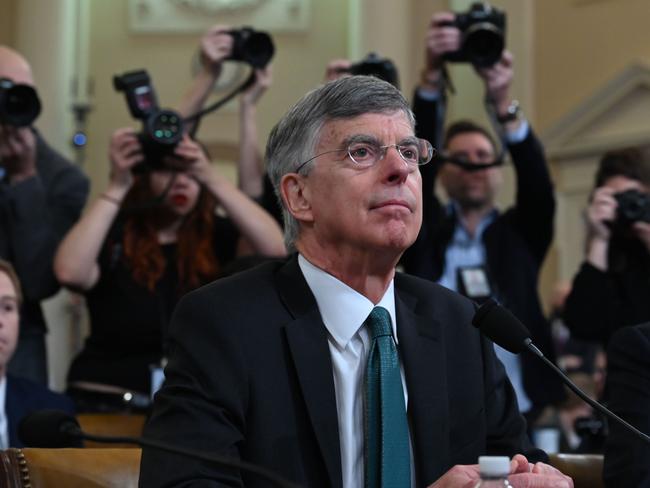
(600, 408)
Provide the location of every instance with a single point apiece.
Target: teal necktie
(388, 457)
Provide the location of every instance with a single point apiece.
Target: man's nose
(397, 169)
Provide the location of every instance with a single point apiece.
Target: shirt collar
(453, 209)
(343, 309)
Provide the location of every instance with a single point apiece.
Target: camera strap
(196, 117)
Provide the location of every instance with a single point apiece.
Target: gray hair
(294, 138)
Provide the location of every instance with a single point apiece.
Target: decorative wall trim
(572, 136)
(194, 16)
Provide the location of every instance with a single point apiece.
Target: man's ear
(296, 195)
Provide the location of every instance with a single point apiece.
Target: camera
(161, 129)
(250, 46)
(483, 31)
(19, 104)
(375, 65)
(633, 206)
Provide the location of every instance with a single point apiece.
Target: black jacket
(250, 375)
(516, 243)
(627, 458)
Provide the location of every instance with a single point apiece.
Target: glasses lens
(364, 153)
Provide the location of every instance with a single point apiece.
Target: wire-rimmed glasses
(366, 152)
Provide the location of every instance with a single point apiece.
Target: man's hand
(441, 38)
(522, 475)
(17, 152)
(216, 45)
(498, 79)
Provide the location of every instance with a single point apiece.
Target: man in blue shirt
(469, 245)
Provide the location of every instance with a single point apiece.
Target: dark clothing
(128, 321)
(35, 215)
(627, 458)
(250, 375)
(601, 302)
(516, 243)
(24, 397)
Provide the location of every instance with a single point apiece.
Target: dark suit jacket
(250, 375)
(24, 397)
(35, 215)
(627, 458)
(516, 243)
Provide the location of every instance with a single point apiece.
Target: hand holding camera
(125, 152)
(216, 46)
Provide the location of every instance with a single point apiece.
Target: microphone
(53, 429)
(507, 331)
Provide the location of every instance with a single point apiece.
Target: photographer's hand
(441, 38)
(601, 210)
(124, 152)
(642, 231)
(17, 152)
(216, 45)
(498, 80)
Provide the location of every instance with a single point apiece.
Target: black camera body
(633, 206)
(483, 32)
(19, 104)
(250, 46)
(375, 65)
(161, 129)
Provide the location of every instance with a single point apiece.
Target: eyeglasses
(365, 153)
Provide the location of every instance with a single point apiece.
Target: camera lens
(484, 44)
(165, 127)
(19, 104)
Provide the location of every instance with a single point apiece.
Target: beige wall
(7, 30)
(580, 45)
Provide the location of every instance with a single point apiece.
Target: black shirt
(128, 321)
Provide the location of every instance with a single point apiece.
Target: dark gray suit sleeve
(37, 213)
(203, 401)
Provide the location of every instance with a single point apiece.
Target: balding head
(14, 66)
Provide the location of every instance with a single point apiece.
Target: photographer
(146, 240)
(611, 289)
(41, 196)
(498, 253)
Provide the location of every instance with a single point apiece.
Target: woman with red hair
(150, 237)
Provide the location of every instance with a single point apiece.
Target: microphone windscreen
(501, 326)
(49, 428)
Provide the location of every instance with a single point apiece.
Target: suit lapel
(307, 338)
(423, 356)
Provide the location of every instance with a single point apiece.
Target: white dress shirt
(4, 425)
(344, 311)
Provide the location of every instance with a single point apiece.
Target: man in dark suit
(276, 365)
(627, 458)
(41, 197)
(18, 397)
